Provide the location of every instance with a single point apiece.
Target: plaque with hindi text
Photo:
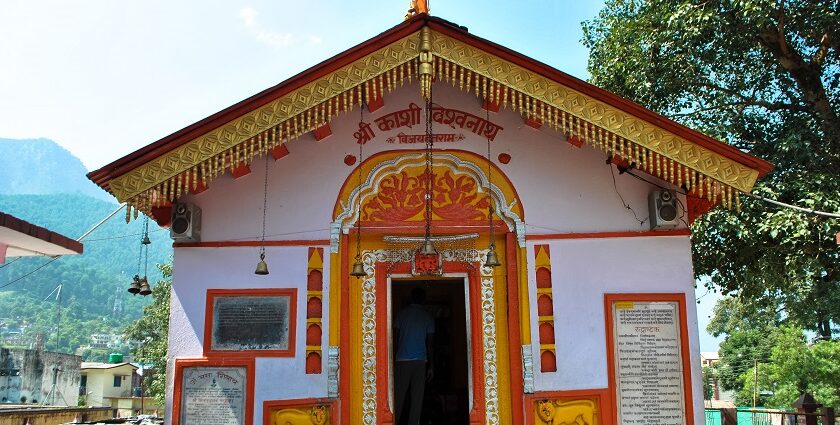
(248, 322)
(648, 362)
(213, 396)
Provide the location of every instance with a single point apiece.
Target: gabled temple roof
(190, 158)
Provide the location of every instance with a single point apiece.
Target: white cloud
(272, 38)
(248, 15)
(313, 39)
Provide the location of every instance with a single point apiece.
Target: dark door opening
(446, 397)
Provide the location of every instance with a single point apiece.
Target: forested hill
(40, 167)
(94, 296)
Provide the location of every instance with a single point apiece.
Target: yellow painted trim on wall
(502, 337)
(335, 299)
(524, 301)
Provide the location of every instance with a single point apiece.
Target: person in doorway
(414, 328)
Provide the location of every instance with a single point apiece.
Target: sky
(104, 78)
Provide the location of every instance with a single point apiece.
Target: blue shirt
(414, 324)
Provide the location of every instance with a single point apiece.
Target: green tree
(739, 353)
(787, 365)
(708, 382)
(764, 76)
(150, 336)
(749, 340)
(796, 366)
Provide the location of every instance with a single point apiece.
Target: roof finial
(417, 7)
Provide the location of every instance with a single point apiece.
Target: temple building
(545, 219)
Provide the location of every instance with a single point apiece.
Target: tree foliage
(793, 367)
(94, 297)
(150, 333)
(796, 366)
(764, 76)
(787, 365)
(749, 340)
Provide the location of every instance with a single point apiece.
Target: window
(117, 381)
(83, 382)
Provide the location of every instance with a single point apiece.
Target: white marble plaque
(648, 363)
(213, 396)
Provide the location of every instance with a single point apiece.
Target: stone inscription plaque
(250, 323)
(213, 396)
(648, 363)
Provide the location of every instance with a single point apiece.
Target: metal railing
(768, 417)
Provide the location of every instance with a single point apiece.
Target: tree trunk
(824, 329)
(808, 77)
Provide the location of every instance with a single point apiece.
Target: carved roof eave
(655, 144)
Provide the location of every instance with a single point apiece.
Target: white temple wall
(198, 269)
(563, 189)
(582, 271)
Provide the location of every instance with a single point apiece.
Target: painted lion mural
(317, 415)
(576, 412)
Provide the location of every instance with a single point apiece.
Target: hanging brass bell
(262, 267)
(492, 259)
(358, 269)
(134, 288)
(428, 248)
(146, 240)
(144, 287)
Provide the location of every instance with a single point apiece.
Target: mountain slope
(40, 167)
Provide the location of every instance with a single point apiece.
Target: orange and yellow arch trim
(391, 193)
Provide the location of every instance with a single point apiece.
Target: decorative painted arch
(391, 193)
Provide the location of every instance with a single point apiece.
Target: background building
(39, 377)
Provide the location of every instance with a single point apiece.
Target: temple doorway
(447, 394)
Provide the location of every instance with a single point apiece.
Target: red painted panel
(491, 106)
(313, 363)
(313, 334)
(543, 278)
(323, 132)
(533, 122)
(316, 281)
(314, 308)
(548, 361)
(240, 171)
(544, 306)
(546, 333)
(279, 151)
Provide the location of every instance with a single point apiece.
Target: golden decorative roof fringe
(156, 183)
(599, 138)
(430, 56)
(426, 63)
(262, 143)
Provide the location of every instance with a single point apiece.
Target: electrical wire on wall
(623, 202)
